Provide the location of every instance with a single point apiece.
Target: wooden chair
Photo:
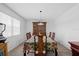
(49, 34)
(54, 47)
(53, 36)
(28, 35)
(26, 48)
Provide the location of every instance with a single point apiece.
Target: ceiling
(31, 11)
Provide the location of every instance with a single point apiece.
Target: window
(16, 27)
(12, 25)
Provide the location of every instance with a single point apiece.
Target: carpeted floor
(62, 51)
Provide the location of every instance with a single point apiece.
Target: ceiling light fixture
(40, 23)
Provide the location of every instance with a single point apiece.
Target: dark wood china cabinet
(39, 28)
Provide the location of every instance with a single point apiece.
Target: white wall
(29, 26)
(14, 41)
(50, 25)
(67, 26)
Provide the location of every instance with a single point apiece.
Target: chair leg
(56, 53)
(24, 54)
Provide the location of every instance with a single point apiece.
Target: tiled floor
(62, 51)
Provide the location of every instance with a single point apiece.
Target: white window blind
(16, 27)
(12, 25)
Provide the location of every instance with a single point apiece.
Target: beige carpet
(62, 51)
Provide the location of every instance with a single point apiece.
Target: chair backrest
(28, 35)
(36, 38)
(49, 34)
(53, 36)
